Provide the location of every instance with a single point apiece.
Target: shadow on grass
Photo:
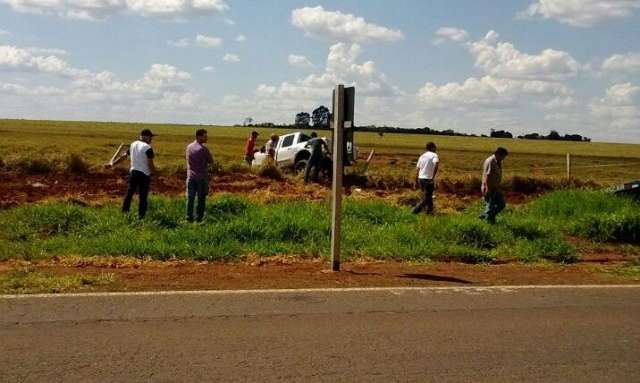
(435, 278)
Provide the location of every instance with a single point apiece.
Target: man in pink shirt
(198, 159)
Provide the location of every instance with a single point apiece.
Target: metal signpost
(343, 150)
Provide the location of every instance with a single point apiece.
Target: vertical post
(336, 190)
(568, 166)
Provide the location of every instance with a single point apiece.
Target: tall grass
(235, 227)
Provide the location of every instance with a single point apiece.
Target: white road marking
(392, 290)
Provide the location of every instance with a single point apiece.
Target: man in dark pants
(141, 155)
(315, 161)
(491, 179)
(427, 169)
(198, 158)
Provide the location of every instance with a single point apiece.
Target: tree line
(320, 117)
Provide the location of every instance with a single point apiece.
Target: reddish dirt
(297, 273)
(18, 188)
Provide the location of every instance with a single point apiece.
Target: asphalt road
(541, 334)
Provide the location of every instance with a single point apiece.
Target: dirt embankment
(17, 188)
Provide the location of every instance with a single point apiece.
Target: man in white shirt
(427, 169)
(141, 155)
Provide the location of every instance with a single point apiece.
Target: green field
(557, 227)
(395, 156)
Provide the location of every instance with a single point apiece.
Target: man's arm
(435, 169)
(150, 156)
(486, 169)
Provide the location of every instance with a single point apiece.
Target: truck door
(287, 151)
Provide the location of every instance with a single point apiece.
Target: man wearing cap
(141, 155)
(198, 158)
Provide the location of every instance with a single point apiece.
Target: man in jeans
(491, 179)
(141, 155)
(427, 169)
(315, 161)
(198, 159)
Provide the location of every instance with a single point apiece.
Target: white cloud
(182, 43)
(208, 41)
(619, 110)
(581, 13)
(377, 100)
(241, 38)
(20, 59)
(4, 33)
(629, 62)
(99, 9)
(47, 51)
(299, 61)
(209, 69)
(504, 60)
(202, 41)
(21, 90)
(487, 91)
(338, 26)
(450, 34)
(231, 58)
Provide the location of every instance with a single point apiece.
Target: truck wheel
(300, 166)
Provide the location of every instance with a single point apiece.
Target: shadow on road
(435, 278)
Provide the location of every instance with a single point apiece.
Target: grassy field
(557, 227)
(396, 153)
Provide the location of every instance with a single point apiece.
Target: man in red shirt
(250, 147)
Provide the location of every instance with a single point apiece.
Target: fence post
(568, 166)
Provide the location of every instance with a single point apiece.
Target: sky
(468, 65)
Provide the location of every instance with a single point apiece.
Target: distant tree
(554, 135)
(320, 117)
(302, 120)
(500, 134)
(247, 121)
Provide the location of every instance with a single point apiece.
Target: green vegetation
(31, 282)
(235, 227)
(36, 145)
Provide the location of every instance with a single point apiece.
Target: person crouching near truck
(198, 159)
(142, 167)
(427, 168)
(250, 147)
(318, 148)
(491, 179)
(270, 149)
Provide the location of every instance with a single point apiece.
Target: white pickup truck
(291, 152)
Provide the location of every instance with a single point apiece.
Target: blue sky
(530, 65)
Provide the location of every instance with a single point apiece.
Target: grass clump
(75, 164)
(29, 165)
(30, 282)
(621, 226)
(270, 171)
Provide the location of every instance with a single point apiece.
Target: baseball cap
(147, 133)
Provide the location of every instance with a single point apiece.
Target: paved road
(542, 334)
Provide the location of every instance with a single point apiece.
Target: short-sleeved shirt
(426, 165)
(493, 171)
(198, 157)
(140, 153)
(250, 146)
